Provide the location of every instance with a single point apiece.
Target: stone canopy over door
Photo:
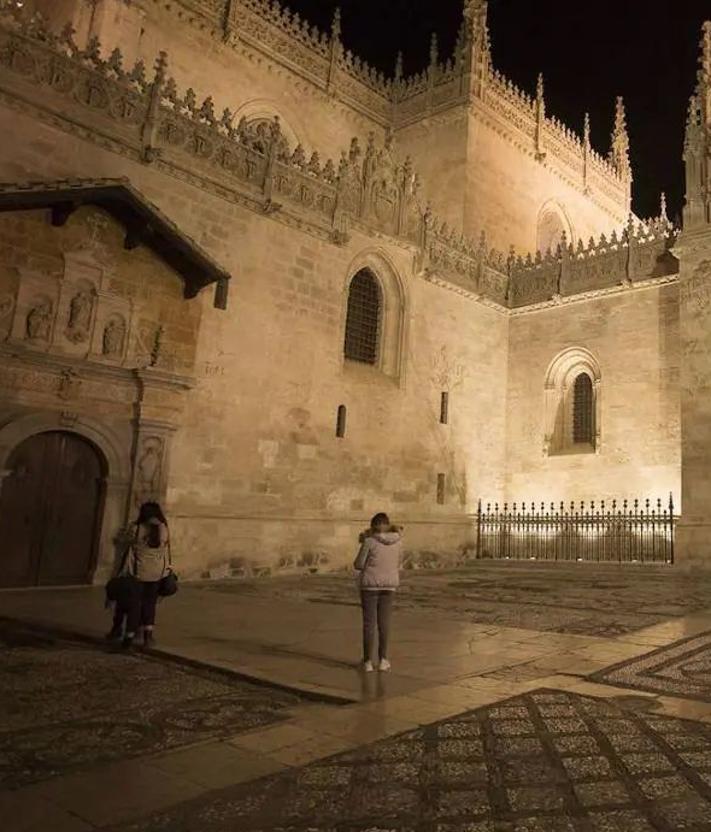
(50, 511)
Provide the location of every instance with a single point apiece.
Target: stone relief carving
(69, 384)
(148, 469)
(38, 326)
(114, 337)
(81, 308)
(447, 374)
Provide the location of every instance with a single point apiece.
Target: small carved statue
(149, 466)
(39, 321)
(113, 339)
(80, 310)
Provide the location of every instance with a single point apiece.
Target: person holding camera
(378, 564)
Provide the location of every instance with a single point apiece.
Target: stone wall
(694, 535)
(633, 336)
(275, 488)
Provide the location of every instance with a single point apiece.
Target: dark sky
(589, 52)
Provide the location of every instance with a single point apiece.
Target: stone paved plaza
(524, 697)
(544, 761)
(68, 706)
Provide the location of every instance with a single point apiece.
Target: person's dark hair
(380, 519)
(147, 512)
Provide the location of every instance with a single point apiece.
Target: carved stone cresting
(255, 163)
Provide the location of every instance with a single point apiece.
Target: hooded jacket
(379, 561)
(149, 563)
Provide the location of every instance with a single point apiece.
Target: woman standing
(378, 562)
(147, 564)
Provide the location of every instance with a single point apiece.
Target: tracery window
(572, 403)
(583, 410)
(363, 318)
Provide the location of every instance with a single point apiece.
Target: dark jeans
(142, 606)
(377, 610)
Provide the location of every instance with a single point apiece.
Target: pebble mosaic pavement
(546, 761)
(592, 599)
(66, 706)
(681, 669)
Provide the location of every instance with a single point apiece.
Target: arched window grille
(583, 410)
(363, 319)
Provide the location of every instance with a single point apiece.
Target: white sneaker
(368, 667)
(384, 665)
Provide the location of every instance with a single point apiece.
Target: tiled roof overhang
(144, 223)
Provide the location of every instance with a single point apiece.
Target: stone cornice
(613, 291)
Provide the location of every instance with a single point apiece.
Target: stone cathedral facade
(243, 273)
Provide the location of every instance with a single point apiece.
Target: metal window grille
(363, 319)
(635, 531)
(583, 410)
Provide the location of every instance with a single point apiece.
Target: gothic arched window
(572, 403)
(553, 225)
(363, 318)
(583, 410)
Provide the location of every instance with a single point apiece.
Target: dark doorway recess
(50, 511)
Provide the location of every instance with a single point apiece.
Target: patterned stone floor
(579, 598)
(66, 705)
(543, 762)
(682, 669)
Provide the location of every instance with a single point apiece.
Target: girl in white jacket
(378, 563)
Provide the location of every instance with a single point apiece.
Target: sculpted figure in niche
(149, 466)
(80, 316)
(39, 321)
(113, 339)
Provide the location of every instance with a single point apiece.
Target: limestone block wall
(634, 338)
(439, 148)
(261, 473)
(507, 190)
(694, 251)
(257, 477)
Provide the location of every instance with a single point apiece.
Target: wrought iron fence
(635, 531)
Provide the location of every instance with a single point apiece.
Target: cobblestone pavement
(541, 762)
(66, 705)
(581, 598)
(681, 669)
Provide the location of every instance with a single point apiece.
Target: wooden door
(50, 507)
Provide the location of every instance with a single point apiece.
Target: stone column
(693, 541)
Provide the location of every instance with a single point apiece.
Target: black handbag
(120, 587)
(168, 584)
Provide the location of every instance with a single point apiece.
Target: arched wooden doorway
(50, 511)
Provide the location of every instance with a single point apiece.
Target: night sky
(588, 52)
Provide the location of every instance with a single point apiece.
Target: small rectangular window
(341, 422)
(444, 409)
(441, 485)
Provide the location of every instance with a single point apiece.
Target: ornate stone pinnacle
(398, 67)
(434, 50)
(539, 87)
(663, 207)
(619, 155)
(336, 23)
(586, 130)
